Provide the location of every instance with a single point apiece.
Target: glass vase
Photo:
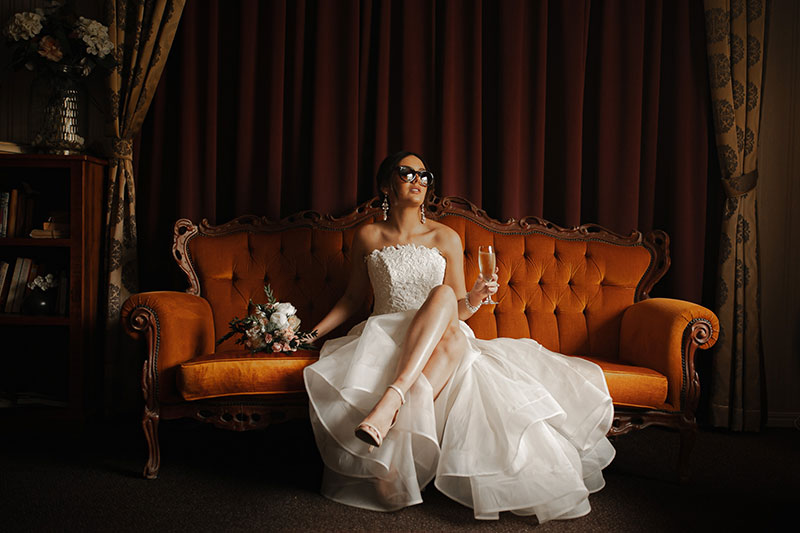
(39, 302)
(58, 113)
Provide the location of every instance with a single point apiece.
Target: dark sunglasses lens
(425, 178)
(406, 174)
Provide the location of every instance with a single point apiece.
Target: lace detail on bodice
(403, 275)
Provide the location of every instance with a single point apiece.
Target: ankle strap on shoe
(398, 391)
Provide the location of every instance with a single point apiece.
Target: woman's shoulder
(368, 237)
(446, 238)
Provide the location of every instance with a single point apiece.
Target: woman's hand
(484, 288)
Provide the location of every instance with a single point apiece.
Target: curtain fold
(735, 33)
(142, 32)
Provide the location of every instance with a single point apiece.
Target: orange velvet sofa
(580, 291)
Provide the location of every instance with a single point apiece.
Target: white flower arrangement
(271, 327)
(43, 283)
(58, 42)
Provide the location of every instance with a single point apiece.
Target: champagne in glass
(486, 263)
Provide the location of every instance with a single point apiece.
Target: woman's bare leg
(445, 358)
(433, 331)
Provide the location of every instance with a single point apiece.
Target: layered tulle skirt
(517, 427)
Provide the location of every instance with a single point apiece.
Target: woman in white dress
(410, 394)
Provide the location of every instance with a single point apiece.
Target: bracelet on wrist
(471, 308)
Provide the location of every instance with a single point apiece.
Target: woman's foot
(382, 417)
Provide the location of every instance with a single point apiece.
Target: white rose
(279, 320)
(285, 308)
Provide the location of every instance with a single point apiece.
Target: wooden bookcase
(49, 363)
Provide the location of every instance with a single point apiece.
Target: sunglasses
(408, 175)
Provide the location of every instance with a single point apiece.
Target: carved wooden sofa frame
(144, 315)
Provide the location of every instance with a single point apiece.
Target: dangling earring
(385, 207)
(422, 213)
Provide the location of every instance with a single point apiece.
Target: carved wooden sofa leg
(150, 425)
(151, 414)
(626, 421)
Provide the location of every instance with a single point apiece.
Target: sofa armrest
(663, 334)
(178, 326)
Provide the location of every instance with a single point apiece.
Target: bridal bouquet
(271, 327)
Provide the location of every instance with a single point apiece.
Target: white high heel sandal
(369, 433)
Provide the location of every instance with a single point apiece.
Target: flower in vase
(49, 49)
(95, 36)
(55, 41)
(23, 26)
(43, 283)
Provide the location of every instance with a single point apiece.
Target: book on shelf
(19, 295)
(63, 293)
(13, 205)
(12, 290)
(49, 234)
(18, 214)
(26, 205)
(4, 198)
(55, 227)
(31, 276)
(7, 147)
(5, 282)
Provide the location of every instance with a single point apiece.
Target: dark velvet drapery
(575, 111)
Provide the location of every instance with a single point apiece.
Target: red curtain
(575, 111)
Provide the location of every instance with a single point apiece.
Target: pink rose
(48, 48)
(267, 337)
(277, 347)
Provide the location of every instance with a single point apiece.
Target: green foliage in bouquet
(270, 327)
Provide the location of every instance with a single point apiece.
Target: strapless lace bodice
(403, 275)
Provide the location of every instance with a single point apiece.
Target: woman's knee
(444, 294)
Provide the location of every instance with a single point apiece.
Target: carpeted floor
(213, 480)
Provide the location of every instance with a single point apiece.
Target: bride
(410, 394)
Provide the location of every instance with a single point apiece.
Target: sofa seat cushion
(240, 372)
(634, 386)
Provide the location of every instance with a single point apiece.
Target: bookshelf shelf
(53, 356)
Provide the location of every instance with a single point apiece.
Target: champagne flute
(486, 264)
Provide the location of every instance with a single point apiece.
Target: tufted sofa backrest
(566, 288)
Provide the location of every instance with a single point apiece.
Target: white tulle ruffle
(517, 428)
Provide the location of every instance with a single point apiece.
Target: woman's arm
(454, 277)
(356, 292)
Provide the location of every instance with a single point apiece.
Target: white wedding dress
(517, 427)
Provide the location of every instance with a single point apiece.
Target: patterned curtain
(735, 31)
(142, 32)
